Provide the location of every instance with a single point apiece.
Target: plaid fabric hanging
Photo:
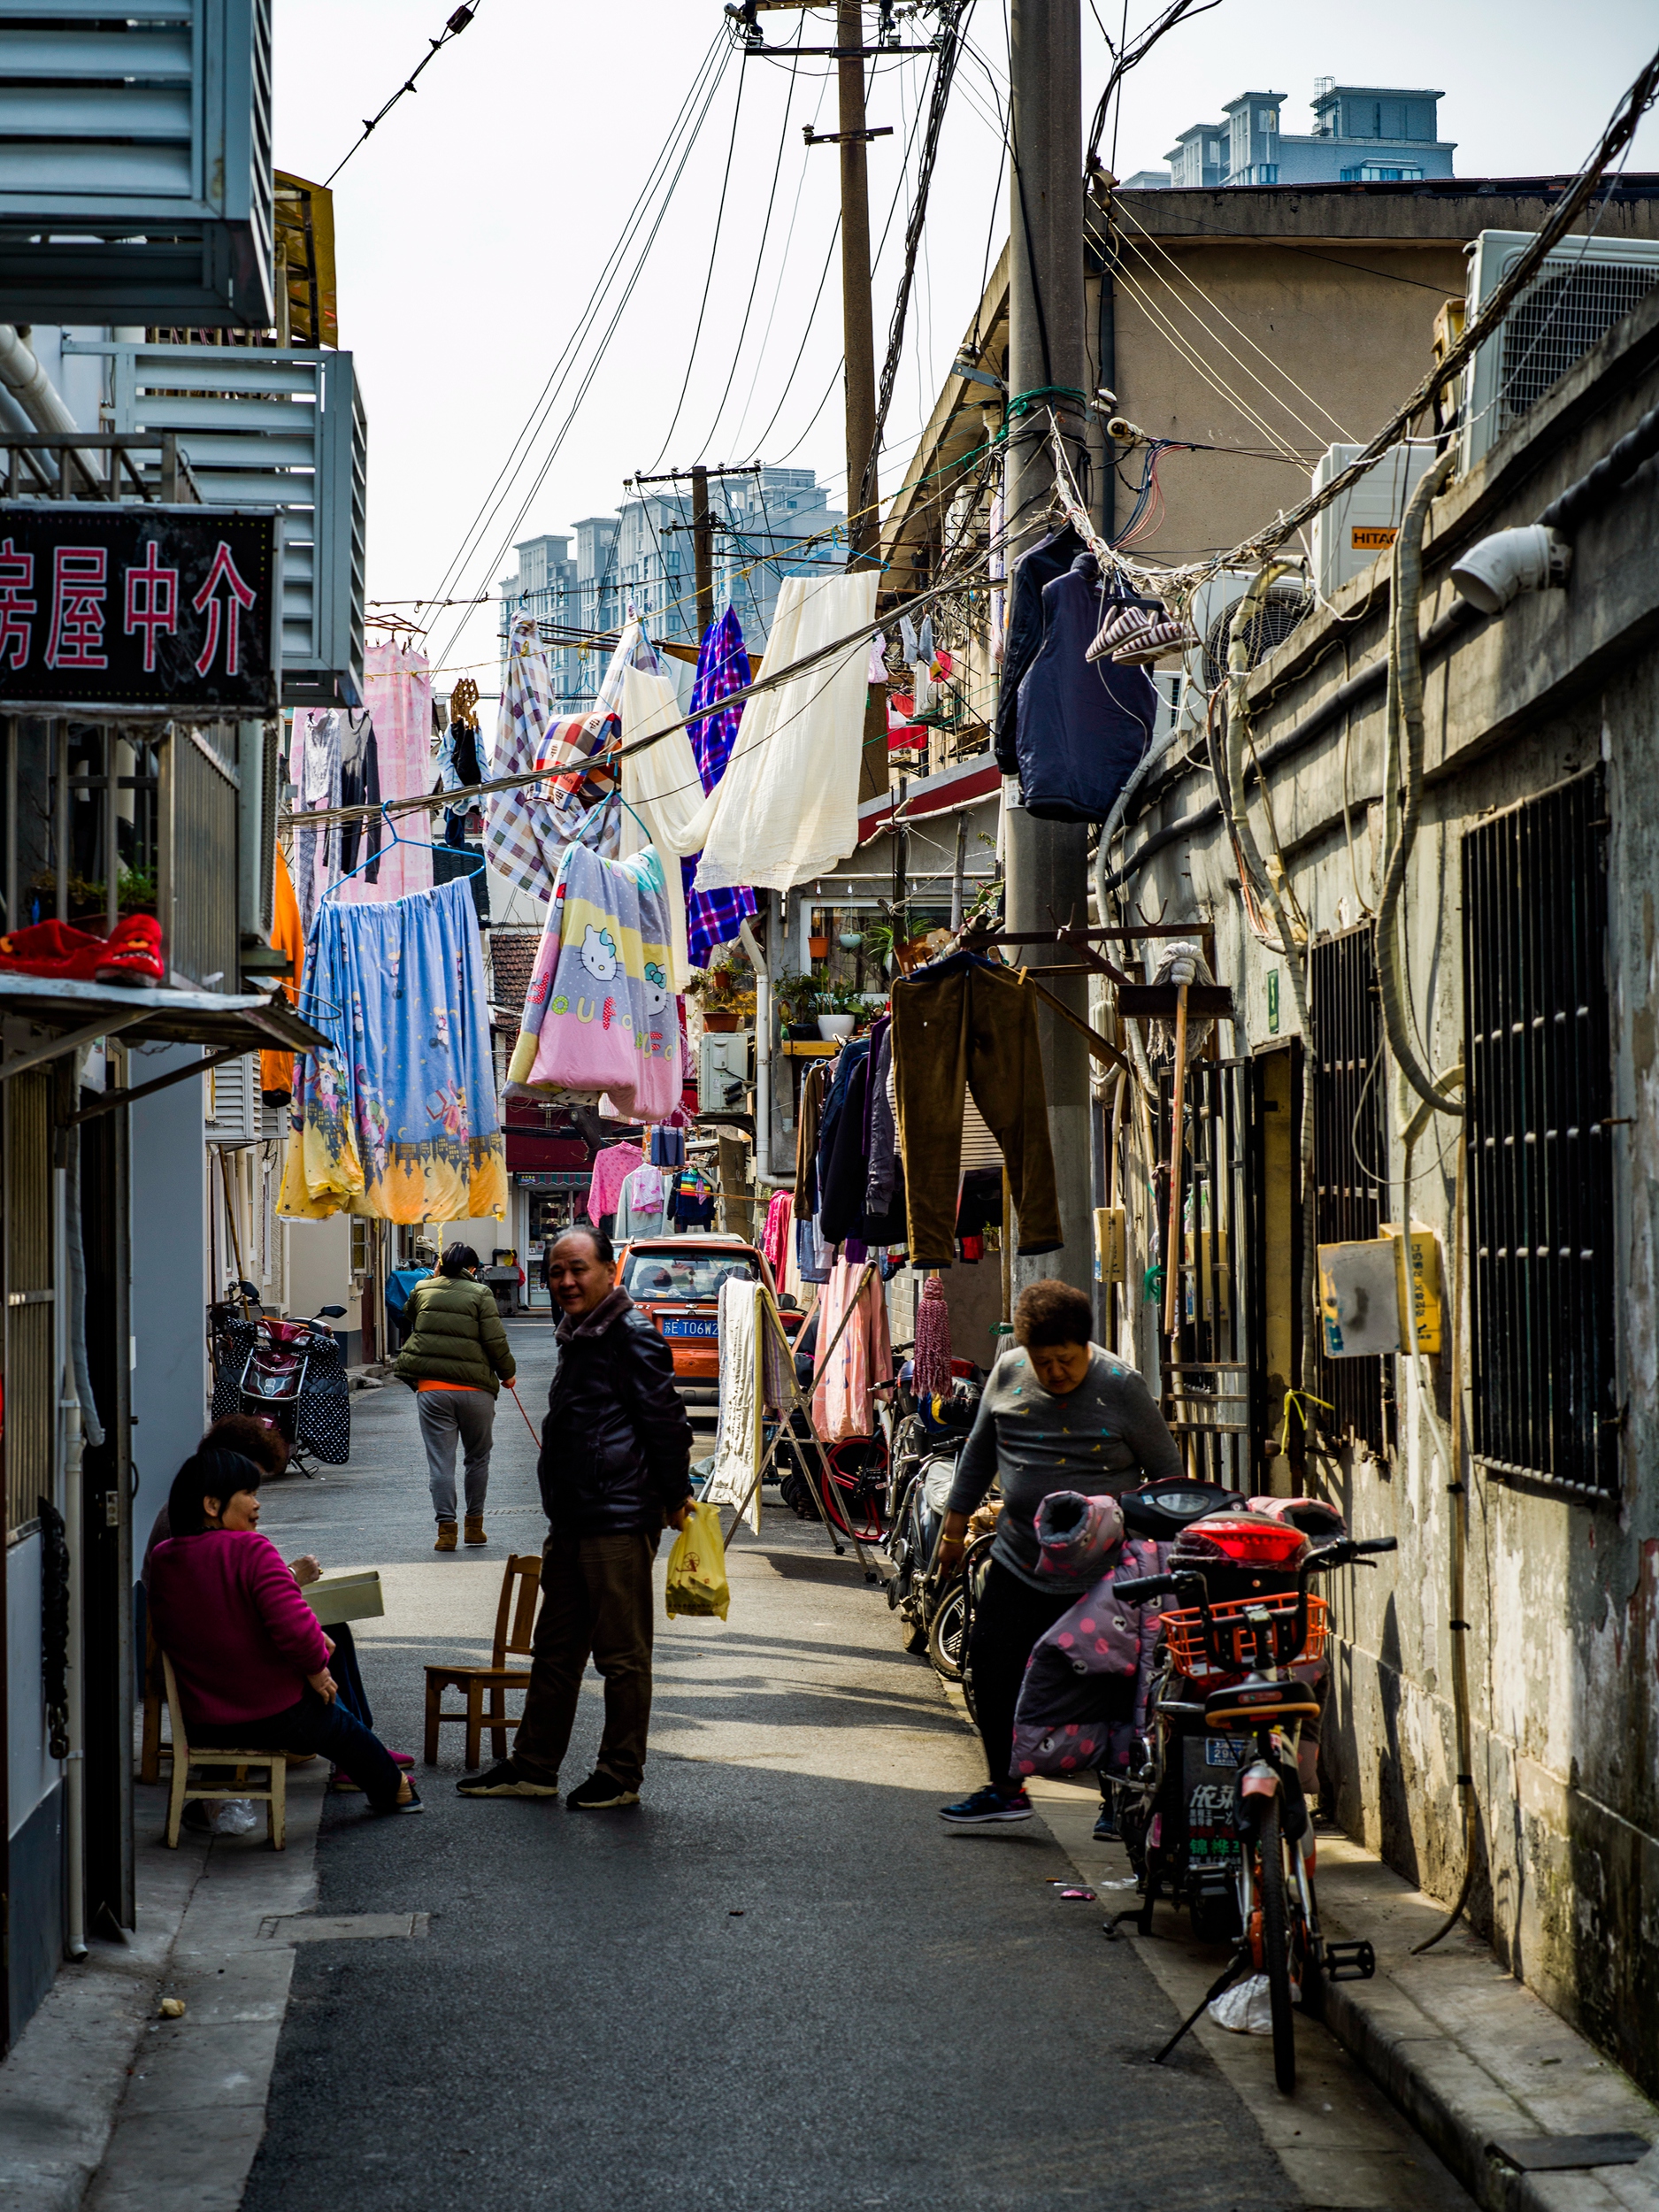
(580, 753)
(714, 918)
(523, 833)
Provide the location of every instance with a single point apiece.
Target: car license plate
(691, 1328)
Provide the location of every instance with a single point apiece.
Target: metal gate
(31, 1393)
(1209, 1398)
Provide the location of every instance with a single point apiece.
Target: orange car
(676, 1281)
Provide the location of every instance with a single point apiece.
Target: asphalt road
(778, 1986)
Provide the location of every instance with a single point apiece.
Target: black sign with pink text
(157, 609)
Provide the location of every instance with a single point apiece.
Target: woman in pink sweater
(251, 1658)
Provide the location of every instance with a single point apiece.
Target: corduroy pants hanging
(969, 1026)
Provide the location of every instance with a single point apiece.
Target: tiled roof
(512, 956)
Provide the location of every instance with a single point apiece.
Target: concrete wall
(1562, 1645)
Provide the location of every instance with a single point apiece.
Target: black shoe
(1106, 1826)
(505, 1780)
(599, 1793)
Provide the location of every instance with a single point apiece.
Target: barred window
(1538, 1053)
(1350, 1158)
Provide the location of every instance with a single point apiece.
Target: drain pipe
(29, 385)
(80, 1423)
(750, 942)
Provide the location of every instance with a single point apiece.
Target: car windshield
(686, 1274)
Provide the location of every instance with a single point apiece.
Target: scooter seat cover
(1076, 1535)
(1073, 1709)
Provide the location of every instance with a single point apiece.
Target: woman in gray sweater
(1058, 1413)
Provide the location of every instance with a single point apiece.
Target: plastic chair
(515, 1616)
(275, 1796)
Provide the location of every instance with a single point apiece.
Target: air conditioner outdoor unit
(1354, 529)
(1583, 289)
(233, 1101)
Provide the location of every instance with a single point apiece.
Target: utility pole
(864, 529)
(701, 527)
(1048, 861)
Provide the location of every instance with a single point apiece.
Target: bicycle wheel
(1276, 1947)
(945, 1636)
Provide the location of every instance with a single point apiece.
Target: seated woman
(250, 1659)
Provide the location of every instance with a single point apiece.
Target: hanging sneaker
(987, 1808)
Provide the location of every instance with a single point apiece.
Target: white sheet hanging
(787, 808)
(737, 1451)
(663, 787)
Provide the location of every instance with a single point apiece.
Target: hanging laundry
(668, 1148)
(397, 1117)
(788, 806)
(962, 1023)
(931, 1360)
(314, 768)
(523, 835)
(612, 1168)
(661, 794)
(276, 1069)
(1049, 558)
(714, 918)
(910, 646)
(814, 1259)
(843, 1403)
(359, 786)
(775, 1238)
(391, 736)
(598, 1016)
(1081, 727)
(643, 1204)
(694, 1199)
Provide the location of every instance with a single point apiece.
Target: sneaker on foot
(409, 1798)
(599, 1793)
(987, 1808)
(446, 1536)
(475, 1529)
(1106, 1825)
(505, 1780)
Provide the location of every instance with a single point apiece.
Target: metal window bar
(108, 465)
(1350, 1153)
(1207, 1348)
(197, 889)
(1555, 322)
(1544, 1331)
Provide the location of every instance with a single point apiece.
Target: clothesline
(430, 803)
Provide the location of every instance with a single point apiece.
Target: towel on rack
(599, 1016)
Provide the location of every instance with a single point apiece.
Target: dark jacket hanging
(1082, 726)
(1049, 558)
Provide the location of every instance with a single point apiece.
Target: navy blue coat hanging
(1082, 727)
(1040, 564)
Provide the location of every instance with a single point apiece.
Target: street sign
(136, 608)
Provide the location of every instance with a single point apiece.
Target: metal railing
(108, 464)
(197, 884)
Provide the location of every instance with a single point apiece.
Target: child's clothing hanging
(397, 1117)
(612, 1168)
(598, 1017)
(642, 1206)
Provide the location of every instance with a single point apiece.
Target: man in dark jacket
(614, 1471)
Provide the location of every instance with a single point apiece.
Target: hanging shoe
(475, 1529)
(446, 1536)
(1120, 625)
(1155, 642)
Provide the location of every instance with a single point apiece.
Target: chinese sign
(171, 609)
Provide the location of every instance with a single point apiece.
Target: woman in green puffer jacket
(455, 1358)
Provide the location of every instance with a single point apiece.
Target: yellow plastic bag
(696, 1566)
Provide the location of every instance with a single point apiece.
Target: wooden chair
(152, 1748)
(273, 1796)
(515, 1616)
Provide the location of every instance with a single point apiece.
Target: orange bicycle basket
(1233, 1636)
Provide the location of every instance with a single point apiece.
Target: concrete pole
(857, 316)
(1048, 861)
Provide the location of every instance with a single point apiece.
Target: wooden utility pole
(1048, 861)
(864, 529)
(702, 543)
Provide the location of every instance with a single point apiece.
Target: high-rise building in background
(1361, 135)
(775, 522)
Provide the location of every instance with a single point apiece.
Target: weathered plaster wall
(1563, 1595)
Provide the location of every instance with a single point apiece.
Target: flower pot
(851, 939)
(833, 1027)
(819, 948)
(721, 1020)
(801, 1032)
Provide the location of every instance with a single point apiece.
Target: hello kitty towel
(598, 1015)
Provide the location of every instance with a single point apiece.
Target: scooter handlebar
(1143, 1587)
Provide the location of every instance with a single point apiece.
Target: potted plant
(710, 987)
(796, 996)
(839, 1011)
(817, 940)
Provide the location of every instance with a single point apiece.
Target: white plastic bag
(236, 1817)
(1247, 2008)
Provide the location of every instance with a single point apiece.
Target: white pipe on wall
(29, 385)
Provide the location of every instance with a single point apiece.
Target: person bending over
(1058, 1413)
(250, 1659)
(614, 1469)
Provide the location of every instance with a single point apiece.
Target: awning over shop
(147, 1014)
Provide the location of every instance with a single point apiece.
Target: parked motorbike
(1218, 1815)
(925, 1469)
(290, 1373)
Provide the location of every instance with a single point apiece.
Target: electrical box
(1352, 531)
(1417, 1280)
(723, 1070)
(1359, 1299)
(1111, 1244)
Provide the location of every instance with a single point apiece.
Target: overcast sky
(475, 223)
